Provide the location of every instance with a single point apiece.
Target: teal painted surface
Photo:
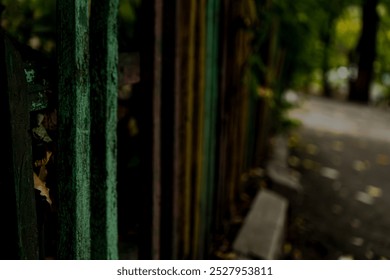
(74, 130)
(37, 101)
(210, 111)
(30, 74)
(103, 69)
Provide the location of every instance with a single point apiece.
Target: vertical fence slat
(186, 36)
(223, 117)
(210, 111)
(177, 137)
(199, 146)
(17, 211)
(151, 91)
(103, 70)
(169, 248)
(156, 125)
(74, 130)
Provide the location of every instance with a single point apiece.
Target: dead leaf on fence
(41, 186)
(44, 161)
(40, 133)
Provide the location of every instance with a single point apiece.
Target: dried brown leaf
(44, 161)
(41, 186)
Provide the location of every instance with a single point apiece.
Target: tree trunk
(365, 51)
(326, 39)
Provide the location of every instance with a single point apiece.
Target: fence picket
(73, 130)
(103, 69)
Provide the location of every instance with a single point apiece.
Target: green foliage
(128, 10)
(31, 22)
(382, 64)
(347, 30)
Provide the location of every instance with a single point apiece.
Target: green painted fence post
(103, 69)
(73, 130)
(210, 111)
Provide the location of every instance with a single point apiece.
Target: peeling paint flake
(30, 75)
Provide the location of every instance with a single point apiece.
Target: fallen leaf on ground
(383, 160)
(329, 173)
(359, 165)
(374, 191)
(364, 198)
(346, 257)
(357, 241)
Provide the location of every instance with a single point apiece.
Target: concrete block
(262, 234)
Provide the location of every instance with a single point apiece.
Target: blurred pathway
(342, 151)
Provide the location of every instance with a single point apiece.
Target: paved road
(342, 151)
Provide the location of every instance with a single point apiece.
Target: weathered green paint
(37, 100)
(210, 111)
(17, 210)
(103, 69)
(73, 130)
(36, 88)
(30, 74)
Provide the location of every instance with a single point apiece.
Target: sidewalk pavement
(342, 152)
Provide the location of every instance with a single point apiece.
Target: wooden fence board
(17, 211)
(210, 111)
(73, 130)
(103, 69)
(152, 12)
(199, 111)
